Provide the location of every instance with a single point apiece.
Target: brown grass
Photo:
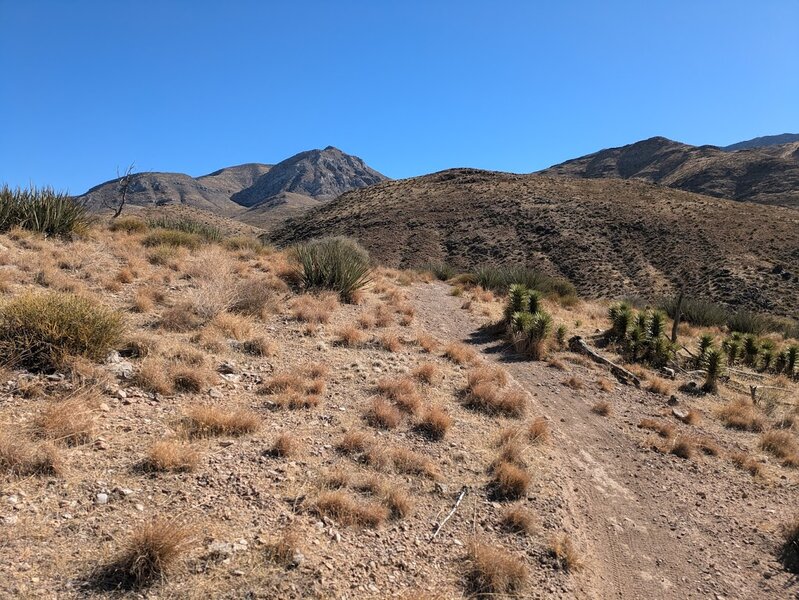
(663, 429)
(151, 553)
(562, 551)
(259, 346)
(403, 392)
(70, 421)
(708, 446)
(171, 455)
(486, 397)
(22, 458)
(426, 372)
(460, 353)
(283, 550)
(366, 321)
(747, 463)
(434, 423)
(189, 379)
(353, 442)
(538, 430)
(602, 408)
(382, 414)
(486, 374)
(206, 421)
(518, 519)
(780, 443)
(658, 385)
(236, 327)
(789, 548)
(153, 377)
(285, 445)
(345, 509)
(740, 414)
(510, 482)
(316, 370)
(283, 382)
(684, 447)
(692, 417)
(180, 318)
(492, 571)
(606, 385)
(554, 363)
(390, 342)
(427, 342)
(314, 309)
(142, 301)
(382, 316)
(294, 400)
(574, 383)
(350, 336)
(407, 461)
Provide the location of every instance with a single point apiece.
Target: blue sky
(411, 87)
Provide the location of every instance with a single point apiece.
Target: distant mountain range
(766, 140)
(255, 193)
(761, 172)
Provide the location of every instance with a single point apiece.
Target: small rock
(215, 393)
(104, 407)
(101, 498)
(122, 394)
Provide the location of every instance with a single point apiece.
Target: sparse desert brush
(206, 421)
(574, 383)
(538, 430)
(294, 400)
(486, 374)
(434, 423)
(313, 309)
(282, 382)
(244, 243)
(335, 263)
(554, 363)
(426, 372)
(128, 225)
(335, 479)
(189, 379)
(22, 458)
(259, 346)
(740, 414)
(511, 451)
(353, 442)
(350, 336)
(663, 429)
(488, 398)
(390, 342)
(152, 551)
(746, 463)
(69, 421)
(605, 384)
(563, 552)
(691, 417)
(658, 385)
(38, 331)
(284, 549)
(460, 353)
(402, 391)
(171, 237)
(509, 482)
(42, 210)
(366, 321)
(707, 446)
(171, 455)
(142, 301)
(345, 509)
(684, 447)
(258, 297)
(180, 318)
(780, 443)
(317, 370)
(408, 461)
(492, 571)
(602, 408)
(166, 255)
(382, 316)
(124, 275)
(518, 519)
(789, 548)
(383, 414)
(397, 501)
(235, 327)
(405, 320)
(427, 342)
(285, 445)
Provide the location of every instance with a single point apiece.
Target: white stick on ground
(463, 491)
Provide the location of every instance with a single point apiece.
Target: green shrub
(560, 335)
(767, 349)
(792, 355)
(714, 368)
(42, 210)
(745, 321)
(205, 231)
(697, 311)
(128, 225)
(501, 278)
(38, 331)
(733, 346)
(172, 237)
(640, 336)
(441, 271)
(530, 333)
(751, 349)
(621, 318)
(336, 263)
(243, 242)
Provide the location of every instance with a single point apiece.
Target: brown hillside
(610, 237)
(766, 175)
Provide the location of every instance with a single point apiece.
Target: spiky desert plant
(560, 335)
(659, 351)
(767, 349)
(705, 344)
(518, 301)
(733, 347)
(714, 368)
(536, 333)
(42, 210)
(520, 321)
(534, 301)
(751, 348)
(621, 318)
(335, 263)
(791, 356)
(657, 324)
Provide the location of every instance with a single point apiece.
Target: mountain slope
(610, 237)
(767, 175)
(320, 174)
(766, 140)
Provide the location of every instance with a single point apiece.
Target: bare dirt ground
(650, 525)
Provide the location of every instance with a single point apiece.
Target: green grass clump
(441, 271)
(38, 331)
(335, 263)
(128, 225)
(697, 311)
(243, 242)
(172, 237)
(500, 279)
(42, 210)
(207, 232)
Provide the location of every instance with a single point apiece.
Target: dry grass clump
(708, 446)
(171, 455)
(684, 447)
(740, 414)
(460, 353)
(153, 377)
(562, 551)
(789, 549)
(285, 445)
(782, 444)
(180, 318)
(488, 398)
(427, 342)
(382, 414)
(350, 336)
(390, 342)
(538, 431)
(345, 509)
(283, 382)
(509, 482)
(21, 458)
(259, 346)
(606, 385)
(403, 392)
(317, 370)
(518, 519)
(366, 321)
(258, 297)
(283, 550)
(353, 442)
(293, 400)
(664, 430)
(70, 421)
(407, 461)
(232, 326)
(151, 553)
(142, 301)
(486, 374)
(658, 385)
(493, 571)
(747, 463)
(207, 421)
(426, 372)
(574, 383)
(692, 417)
(189, 379)
(602, 408)
(382, 316)
(314, 309)
(434, 423)
(554, 363)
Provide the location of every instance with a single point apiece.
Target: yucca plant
(335, 263)
(534, 301)
(518, 301)
(560, 335)
(767, 349)
(42, 210)
(659, 351)
(621, 318)
(792, 354)
(705, 344)
(657, 324)
(521, 320)
(714, 369)
(751, 348)
(536, 334)
(733, 347)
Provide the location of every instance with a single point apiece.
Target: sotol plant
(714, 368)
(336, 263)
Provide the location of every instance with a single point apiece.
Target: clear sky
(411, 87)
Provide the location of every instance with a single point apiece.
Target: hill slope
(610, 237)
(766, 140)
(767, 175)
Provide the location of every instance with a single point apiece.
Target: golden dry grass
(684, 447)
(518, 519)
(350, 336)
(171, 455)
(410, 462)
(746, 463)
(426, 372)
(435, 422)
(509, 482)
(460, 353)
(782, 444)
(152, 376)
(602, 408)
(259, 346)
(345, 509)
(663, 429)
(658, 385)
(574, 383)
(604, 384)
(314, 309)
(22, 458)
(207, 421)
(390, 342)
(487, 397)
(285, 445)
(427, 342)
(283, 550)
(403, 392)
(562, 551)
(789, 546)
(353, 442)
(486, 374)
(740, 414)
(382, 414)
(492, 571)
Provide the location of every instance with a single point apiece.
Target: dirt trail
(648, 525)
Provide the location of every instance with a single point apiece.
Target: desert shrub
(38, 331)
(501, 278)
(205, 231)
(640, 336)
(705, 345)
(697, 311)
(529, 331)
(243, 242)
(128, 225)
(745, 321)
(42, 210)
(336, 263)
(441, 271)
(172, 238)
(494, 572)
(789, 549)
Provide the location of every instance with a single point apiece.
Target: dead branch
(461, 495)
(577, 344)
